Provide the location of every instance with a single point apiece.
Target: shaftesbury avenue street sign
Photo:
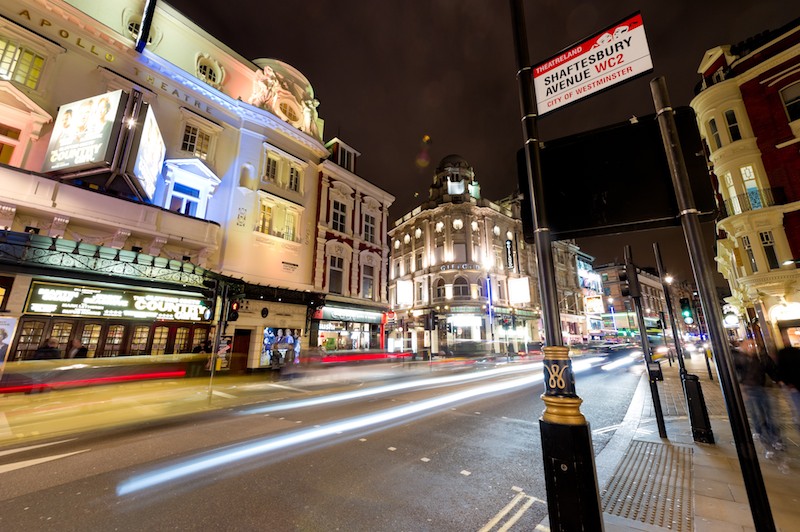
(615, 55)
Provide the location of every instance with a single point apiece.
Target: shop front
(339, 329)
(110, 320)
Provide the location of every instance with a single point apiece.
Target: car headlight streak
(249, 450)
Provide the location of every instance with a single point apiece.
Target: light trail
(377, 390)
(260, 447)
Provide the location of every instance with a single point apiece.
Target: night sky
(387, 73)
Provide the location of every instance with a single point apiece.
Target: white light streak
(261, 447)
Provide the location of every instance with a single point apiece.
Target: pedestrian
(48, 350)
(76, 349)
(789, 376)
(753, 368)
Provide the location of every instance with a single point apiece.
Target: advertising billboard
(85, 133)
(147, 154)
(615, 55)
(73, 300)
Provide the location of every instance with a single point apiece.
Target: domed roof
(453, 161)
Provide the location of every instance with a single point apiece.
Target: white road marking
(223, 394)
(28, 448)
(519, 497)
(425, 459)
(28, 463)
(362, 439)
(392, 448)
(466, 473)
(607, 429)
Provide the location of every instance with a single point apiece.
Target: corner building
(460, 276)
(748, 112)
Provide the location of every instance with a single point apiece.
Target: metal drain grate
(652, 485)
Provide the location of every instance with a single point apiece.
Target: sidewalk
(647, 483)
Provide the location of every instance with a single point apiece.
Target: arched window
(439, 289)
(461, 287)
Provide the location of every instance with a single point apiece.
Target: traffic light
(629, 281)
(209, 298)
(449, 327)
(233, 310)
(434, 320)
(686, 310)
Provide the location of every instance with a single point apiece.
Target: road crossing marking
(607, 429)
(36, 461)
(526, 502)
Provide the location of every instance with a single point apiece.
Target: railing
(754, 199)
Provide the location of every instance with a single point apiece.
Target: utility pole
(573, 500)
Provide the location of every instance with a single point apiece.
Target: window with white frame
(791, 101)
(368, 282)
(346, 158)
(209, 70)
(439, 290)
(294, 179)
(461, 287)
(20, 64)
(9, 140)
(734, 198)
(420, 292)
(733, 125)
(271, 169)
(339, 216)
(184, 199)
(198, 136)
(369, 228)
(712, 126)
(751, 187)
(418, 266)
(335, 275)
(768, 243)
(407, 264)
(748, 249)
(278, 218)
(196, 141)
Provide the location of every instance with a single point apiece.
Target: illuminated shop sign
(509, 254)
(450, 267)
(88, 301)
(346, 314)
(85, 132)
(150, 150)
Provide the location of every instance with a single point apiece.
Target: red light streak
(93, 381)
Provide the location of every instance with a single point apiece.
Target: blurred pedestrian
(48, 350)
(753, 368)
(77, 349)
(789, 376)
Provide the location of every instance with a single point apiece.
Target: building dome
(454, 176)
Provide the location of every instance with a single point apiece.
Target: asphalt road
(436, 455)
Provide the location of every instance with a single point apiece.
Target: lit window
(791, 100)
(418, 265)
(20, 64)
(768, 243)
(264, 218)
(294, 179)
(751, 187)
(367, 282)
(336, 275)
(339, 216)
(196, 141)
(369, 228)
(9, 140)
(712, 126)
(209, 70)
(184, 199)
(277, 218)
(733, 125)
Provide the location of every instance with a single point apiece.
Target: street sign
(617, 54)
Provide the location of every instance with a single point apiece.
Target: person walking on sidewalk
(752, 368)
(789, 376)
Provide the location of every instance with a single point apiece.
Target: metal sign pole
(748, 460)
(573, 500)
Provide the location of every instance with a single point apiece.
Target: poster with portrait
(148, 154)
(85, 133)
(7, 328)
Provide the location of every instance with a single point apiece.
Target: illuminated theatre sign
(89, 301)
(615, 55)
(85, 133)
